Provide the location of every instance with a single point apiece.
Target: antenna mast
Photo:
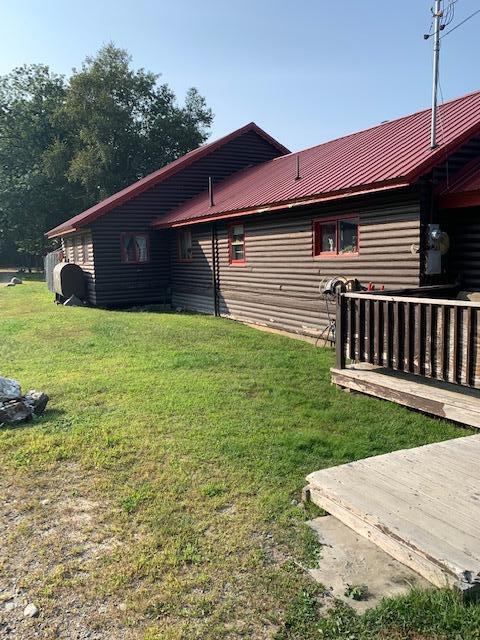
(437, 16)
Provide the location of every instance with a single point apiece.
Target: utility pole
(437, 17)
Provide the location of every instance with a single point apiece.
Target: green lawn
(157, 490)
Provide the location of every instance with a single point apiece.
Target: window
(134, 248)
(185, 253)
(335, 237)
(66, 246)
(84, 248)
(74, 250)
(80, 249)
(236, 243)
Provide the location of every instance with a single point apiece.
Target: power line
(460, 23)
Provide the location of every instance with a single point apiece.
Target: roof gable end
(157, 177)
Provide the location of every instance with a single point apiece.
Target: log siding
(120, 284)
(78, 248)
(279, 284)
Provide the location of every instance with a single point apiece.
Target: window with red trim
(185, 252)
(134, 248)
(236, 243)
(335, 237)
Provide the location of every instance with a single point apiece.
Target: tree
(123, 124)
(29, 100)
(65, 145)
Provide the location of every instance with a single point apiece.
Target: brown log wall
(279, 285)
(123, 284)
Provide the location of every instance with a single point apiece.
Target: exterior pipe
(210, 191)
(216, 310)
(438, 13)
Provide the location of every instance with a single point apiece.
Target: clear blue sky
(305, 70)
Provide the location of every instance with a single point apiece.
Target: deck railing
(428, 336)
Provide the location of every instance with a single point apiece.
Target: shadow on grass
(48, 417)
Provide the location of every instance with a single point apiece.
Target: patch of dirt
(53, 535)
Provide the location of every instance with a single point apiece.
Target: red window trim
(122, 247)
(317, 224)
(231, 261)
(179, 257)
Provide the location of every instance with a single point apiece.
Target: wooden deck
(438, 398)
(422, 506)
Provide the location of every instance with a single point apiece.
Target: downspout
(216, 309)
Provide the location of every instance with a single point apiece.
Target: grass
(192, 436)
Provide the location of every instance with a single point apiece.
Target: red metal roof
(99, 209)
(390, 155)
(464, 189)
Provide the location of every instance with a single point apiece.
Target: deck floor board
(420, 505)
(443, 399)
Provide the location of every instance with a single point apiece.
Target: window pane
(237, 252)
(237, 243)
(141, 248)
(238, 233)
(135, 248)
(328, 237)
(185, 240)
(348, 236)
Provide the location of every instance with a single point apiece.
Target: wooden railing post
(340, 331)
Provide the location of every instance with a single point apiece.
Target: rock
(6, 595)
(37, 400)
(122, 606)
(9, 389)
(15, 411)
(30, 611)
(9, 606)
(16, 281)
(73, 301)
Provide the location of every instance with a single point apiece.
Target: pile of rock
(15, 407)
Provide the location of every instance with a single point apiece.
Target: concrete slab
(350, 559)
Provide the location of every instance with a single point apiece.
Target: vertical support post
(340, 333)
(216, 307)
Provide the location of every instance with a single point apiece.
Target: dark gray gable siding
(119, 284)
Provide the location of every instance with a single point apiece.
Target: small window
(236, 241)
(185, 253)
(66, 247)
(84, 253)
(134, 248)
(335, 237)
(80, 250)
(74, 250)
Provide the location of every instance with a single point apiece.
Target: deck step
(422, 506)
(442, 399)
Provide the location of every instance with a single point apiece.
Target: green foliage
(433, 614)
(356, 591)
(302, 616)
(67, 143)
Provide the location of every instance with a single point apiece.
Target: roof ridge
(376, 126)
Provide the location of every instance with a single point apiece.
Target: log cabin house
(244, 229)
